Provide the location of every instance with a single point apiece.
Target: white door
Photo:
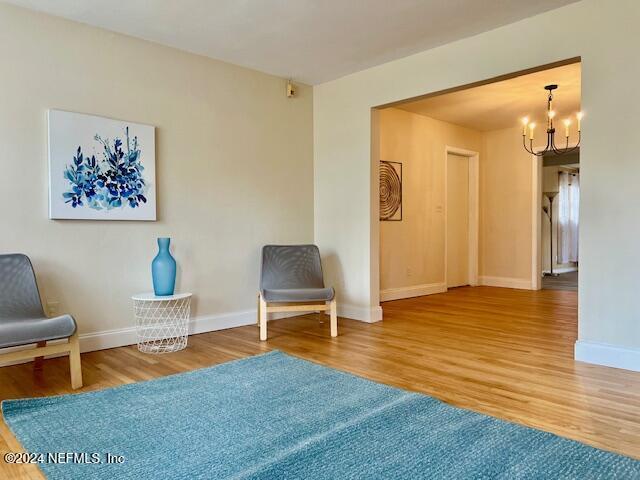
(457, 220)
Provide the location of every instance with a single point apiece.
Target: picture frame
(100, 168)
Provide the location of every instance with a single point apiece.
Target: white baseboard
(364, 314)
(120, 337)
(608, 355)
(505, 282)
(90, 342)
(413, 291)
(562, 270)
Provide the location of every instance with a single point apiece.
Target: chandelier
(551, 130)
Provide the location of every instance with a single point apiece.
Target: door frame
(474, 210)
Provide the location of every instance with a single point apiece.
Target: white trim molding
(608, 355)
(563, 269)
(364, 314)
(536, 221)
(412, 291)
(120, 337)
(506, 282)
(90, 342)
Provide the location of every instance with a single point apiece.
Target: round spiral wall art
(390, 191)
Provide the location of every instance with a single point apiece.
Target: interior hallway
(503, 352)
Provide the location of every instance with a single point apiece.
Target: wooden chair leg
(258, 319)
(263, 318)
(37, 362)
(74, 362)
(333, 311)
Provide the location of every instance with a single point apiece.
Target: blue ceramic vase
(163, 270)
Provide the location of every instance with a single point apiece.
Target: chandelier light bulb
(551, 114)
(531, 127)
(567, 123)
(579, 116)
(525, 122)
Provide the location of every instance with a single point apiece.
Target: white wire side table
(162, 323)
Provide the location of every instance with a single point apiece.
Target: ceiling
(311, 41)
(503, 104)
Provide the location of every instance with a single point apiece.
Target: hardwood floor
(506, 353)
(564, 281)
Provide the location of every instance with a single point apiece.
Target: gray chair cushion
(298, 295)
(293, 273)
(24, 331)
(22, 318)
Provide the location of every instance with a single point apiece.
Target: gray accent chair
(23, 321)
(291, 281)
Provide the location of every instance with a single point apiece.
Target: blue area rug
(276, 416)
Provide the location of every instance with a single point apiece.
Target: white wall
(345, 196)
(234, 169)
(505, 209)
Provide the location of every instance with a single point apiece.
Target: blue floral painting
(106, 168)
(113, 181)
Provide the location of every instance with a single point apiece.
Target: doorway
(419, 251)
(461, 218)
(560, 212)
(461, 231)
(457, 220)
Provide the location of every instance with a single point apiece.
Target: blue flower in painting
(114, 181)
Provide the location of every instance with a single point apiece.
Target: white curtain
(568, 212)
